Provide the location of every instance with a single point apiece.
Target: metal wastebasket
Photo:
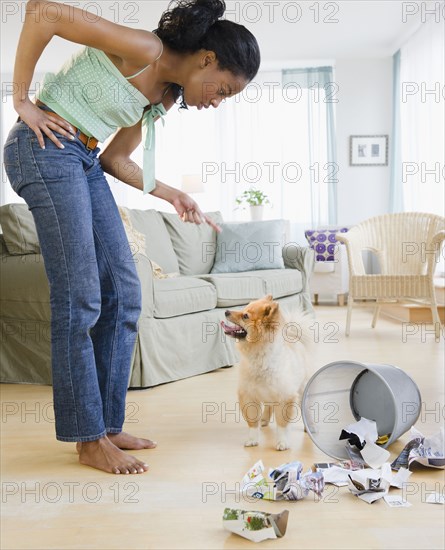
(344, 391)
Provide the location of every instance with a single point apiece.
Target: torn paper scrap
(395, 480)
(344, 464)
(361, 437)
(402, 461)
(335, 475)
(374, 455)
(368, 485)
(355, 457)
(435, 498)
(292, 484)
(286, 482)
(369, 491)
(255, 526)
(400, 478)
(364, 429)
(427, 451)
(372, 484)
(255, 484)
(396, 501)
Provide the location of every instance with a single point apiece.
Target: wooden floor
(50, 501)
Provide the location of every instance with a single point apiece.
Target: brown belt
(89, 142)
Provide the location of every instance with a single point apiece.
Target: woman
(51, 159)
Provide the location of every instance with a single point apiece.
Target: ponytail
(184, 27)
(192, 25)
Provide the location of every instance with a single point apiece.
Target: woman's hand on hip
(41, 122)
(189, 211)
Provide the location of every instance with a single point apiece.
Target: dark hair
(192, 25)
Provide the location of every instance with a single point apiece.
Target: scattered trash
(396, 501)
(373, 484)
(435, 498)
(255, 526)
(343, 392)
(286, 482)
(400, 478)
(292, 484)
(335, 475)
(428, 451)
(363, 435)
(345, 464)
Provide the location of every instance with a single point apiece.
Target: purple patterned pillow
(324, 243)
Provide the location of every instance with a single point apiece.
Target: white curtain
(276, 136)
(422, 119)
(319, 96)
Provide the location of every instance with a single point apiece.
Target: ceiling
(286, 30)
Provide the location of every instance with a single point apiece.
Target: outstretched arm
(115, 160)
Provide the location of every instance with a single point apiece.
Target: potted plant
(256, 200)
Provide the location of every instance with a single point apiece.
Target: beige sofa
(183, 302)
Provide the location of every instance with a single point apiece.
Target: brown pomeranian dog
(273, 373)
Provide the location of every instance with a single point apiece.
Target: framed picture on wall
(368, 151)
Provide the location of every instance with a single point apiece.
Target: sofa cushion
(19, 230)
(158, 246)
(250, 246)
(234, 289)
(182, 295)
(195, 245)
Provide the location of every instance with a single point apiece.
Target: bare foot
(127, 442)
(104, 455)
(131, 442)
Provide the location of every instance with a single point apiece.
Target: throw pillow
(250, 246)
(324, 243)
(193, 244)
(137, 240)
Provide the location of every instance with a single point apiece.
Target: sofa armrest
(144, 269)
(3, 249)
(301, 258)
(24, 289)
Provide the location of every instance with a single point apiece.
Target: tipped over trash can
(346, 391)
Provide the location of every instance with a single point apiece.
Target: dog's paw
(251, 443)
(282, 445)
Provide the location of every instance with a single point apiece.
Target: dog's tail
(300, 327)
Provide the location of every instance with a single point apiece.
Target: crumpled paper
(286, 482)
(292, 484)
(363, 435)
(373, 484)
(428, 451)
(255, 526)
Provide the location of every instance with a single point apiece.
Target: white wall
(364, 108)
(363, 62)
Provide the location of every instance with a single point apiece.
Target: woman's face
(207, 85)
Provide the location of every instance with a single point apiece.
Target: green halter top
(91, 93)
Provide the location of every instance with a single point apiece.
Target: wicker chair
(407, 246)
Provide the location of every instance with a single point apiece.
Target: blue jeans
(95, 291)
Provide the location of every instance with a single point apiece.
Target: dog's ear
(269, 297)
(270, 310)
